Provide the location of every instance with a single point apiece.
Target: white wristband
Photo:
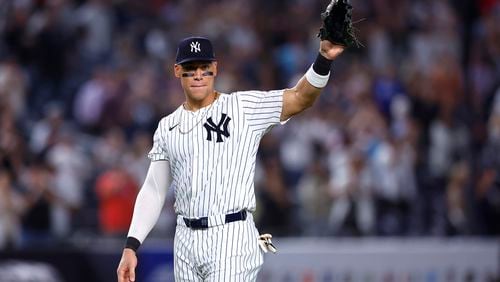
(316, 80)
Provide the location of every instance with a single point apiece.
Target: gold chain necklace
(203, 116)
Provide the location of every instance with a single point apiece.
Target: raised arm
(336, 34)
(303, 95)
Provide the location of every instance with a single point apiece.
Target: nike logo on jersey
(172, 127)
(220, 128)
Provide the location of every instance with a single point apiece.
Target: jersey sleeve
(262, 109)
(158, 151)
(150, 200)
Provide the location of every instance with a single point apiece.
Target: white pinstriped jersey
(212, 151)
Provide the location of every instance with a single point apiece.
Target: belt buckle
(203, 222)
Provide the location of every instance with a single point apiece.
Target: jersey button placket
(195, 167)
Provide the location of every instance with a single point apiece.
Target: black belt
(202, 222)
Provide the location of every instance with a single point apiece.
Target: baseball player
(206, 151)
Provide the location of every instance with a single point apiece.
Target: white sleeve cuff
(316, 80)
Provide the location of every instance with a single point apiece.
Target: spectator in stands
(456, 208)
(133, 158)
(12, 142)
(487, 187)
(71, 172)
(96, 17)
(13, 87)
(274, 196)
(108, 150)
(313, 195)
(37, 223)
(351, 189)
(46, 131)
(91, 99)
(12, 206)
(116, 190)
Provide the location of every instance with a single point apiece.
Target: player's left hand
(337, 24)
(330, 50)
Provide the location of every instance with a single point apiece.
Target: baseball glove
(337, 24)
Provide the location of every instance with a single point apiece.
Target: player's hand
(330, 50)
(126, 268)
(266, 244)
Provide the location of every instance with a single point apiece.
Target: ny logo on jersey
(220, 128)
(195, 47)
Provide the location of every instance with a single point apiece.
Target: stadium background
(401, 149)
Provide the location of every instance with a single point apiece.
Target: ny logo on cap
(195, 47)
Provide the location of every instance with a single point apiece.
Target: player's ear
(214, 64)
(177, 70)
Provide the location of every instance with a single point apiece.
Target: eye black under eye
(192, 74)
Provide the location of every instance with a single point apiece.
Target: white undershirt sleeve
(150, 199)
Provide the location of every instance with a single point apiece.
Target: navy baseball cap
(194, 49)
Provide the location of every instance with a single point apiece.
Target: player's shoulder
(226, 97)
(238, 95)
(170, 119)
(233, 97)
(254, 96)
(248, 92)
(245, 93)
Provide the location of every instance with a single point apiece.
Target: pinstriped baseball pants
(228, 252)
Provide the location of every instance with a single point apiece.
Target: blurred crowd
(404, 141)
